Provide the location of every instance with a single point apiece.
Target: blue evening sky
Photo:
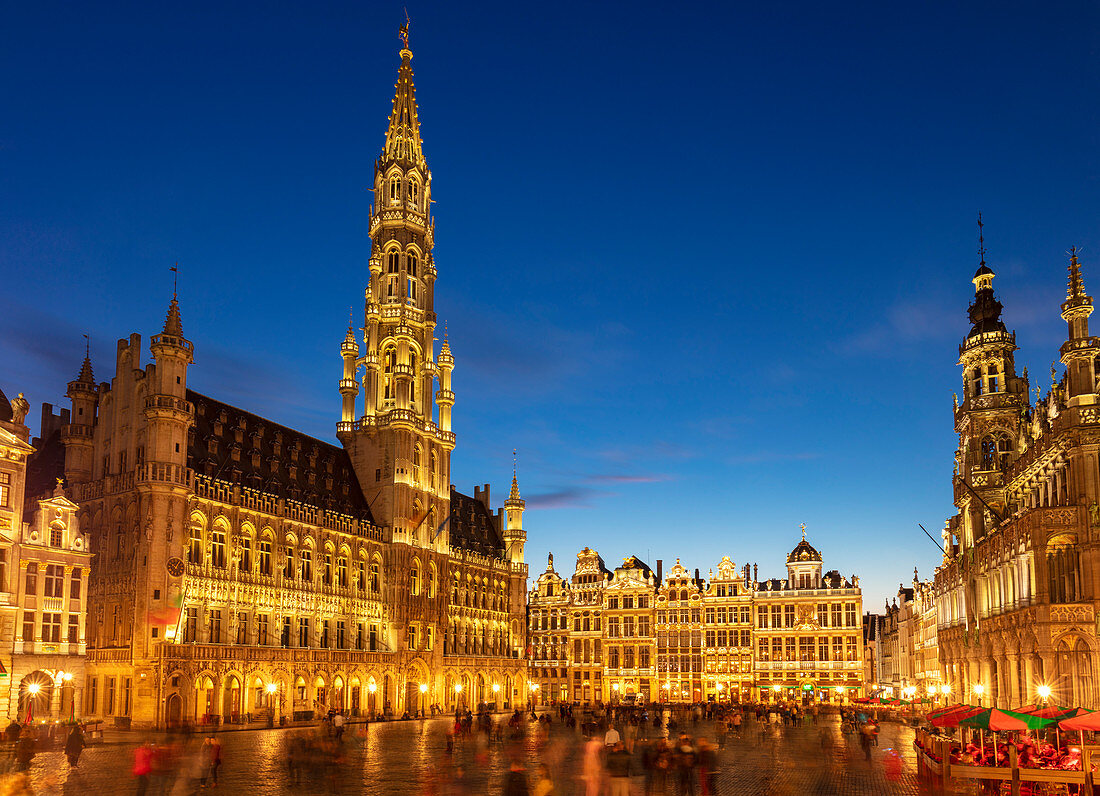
(705, 266)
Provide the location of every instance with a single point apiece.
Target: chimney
(755, 572)
(697, 574)
(660, 569)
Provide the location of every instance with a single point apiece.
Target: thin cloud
(569, 498)
(765, 457)
(623, 478)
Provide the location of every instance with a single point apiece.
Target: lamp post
(720, 688)
(979, 689)
(371, 688)
(1044, 693)
(614, 693)
(423, 691)
(33, 690)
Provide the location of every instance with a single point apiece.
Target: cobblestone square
(411, 757)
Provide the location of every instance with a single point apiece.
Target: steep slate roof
(473, 528)
(44, 467)
(210, 449)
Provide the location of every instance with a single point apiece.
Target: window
(412, 262)
(342, 572)
(51, 627)
(341, 629)
(850, 615)
(374, 578)
(261, 630)
(288, 572)
(823, 648)
(4, 569)
(74, 629)
(303, 631)
(762, 617)
(74, 585)
(777, 616)
(710, 616)
(109, 697)
(834, 615)
(194, 548)
(395, 189)
(307, 564)
(413, 192)
(28, 625)
(790, 648)
(189, 629)
(265, 556)
(214, 626)
(93, 682)
(5, 490)
(55, 581)
(127, 687)
(55, 537)
(217, 547)
(806, 649)
(823, 615)
(31, 584)
(246, 554)
(393, 263)
(242, 628)
(412, 637)
(414, 580)
(838, 648)
(710, 639)
(324, 634)
(721, 638)
(763, 650)
(328, 569)
(850, 648)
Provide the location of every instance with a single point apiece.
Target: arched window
(265, 555)
(414, 193)
(395, 189)
(217, 546)
(994, 378)
(414, 579)
(989, 453)
(393, 262)
(410, 289)
(375, 577)
(417, 456)
(328, 568)
(412, 262)
(977, 381)
(412, 384)
(1004, 451)
(289, 571)
(432, 469)
(194, 547)
(431, 580)
(342, 572)
(306, 565)
(389, 361)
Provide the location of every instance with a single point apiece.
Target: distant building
(45, 561)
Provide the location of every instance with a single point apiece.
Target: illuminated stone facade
(245, 568)
(1017, 592)
(44, 567)
(631, 634)
(809, 634)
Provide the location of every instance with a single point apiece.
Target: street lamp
(946, 690)
(1044, 692)
(979, 689)
(720, 688)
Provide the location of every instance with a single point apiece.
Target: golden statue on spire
(403, 31)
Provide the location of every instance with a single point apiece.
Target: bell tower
(989, 420)
(1080, 351)
(400, 450)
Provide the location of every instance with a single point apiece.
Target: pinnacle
(514, 495)
(1076, 286)
(86, 376)
(173, 324)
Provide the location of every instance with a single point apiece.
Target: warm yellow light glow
(271, 688)
(946, 690)
(932, 689)
(614, 686)
(424, 688)
(67, 676)
(1044, 691)
(372, 687)
(33, 688)
(721, 686)
(664, 686)
(979, 689)
(839, 689)
(496, 687)
(458, 688)
(777, 688)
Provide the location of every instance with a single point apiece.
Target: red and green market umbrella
(951, 717)
(1083, 720)
(996, 720)
(1047, 711)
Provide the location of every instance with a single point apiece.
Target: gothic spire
(514, 495)
(173, 324)
(403, 134)
(1075, 289)
(86, 376)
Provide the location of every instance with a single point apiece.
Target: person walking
(143, 767)
(338, 722)
(545, 784)
(618, 771)
(686, 760)
(592, 769)
(74, 745)
(708, 768)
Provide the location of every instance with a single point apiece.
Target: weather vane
(803, 527)
(175, 269)
(981, 239)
